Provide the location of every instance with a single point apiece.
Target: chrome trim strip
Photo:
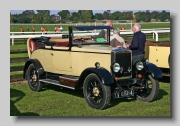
(68, 78)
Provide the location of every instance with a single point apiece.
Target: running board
(55, 82)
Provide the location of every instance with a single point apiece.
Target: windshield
(90, 35)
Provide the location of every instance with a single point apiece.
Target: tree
(106, 15)
(73, 16)
(11, 18)
(163, 16)
(147, 16)
(122, 16)
(28, 12)
(34, 18)
(43, 16)
(88, 15)
(128, 15)
(98, 16)
(154, 14)
(139, 16)
(85, 15)
(168, 15)
(115, 15)
(64, 14)
(47, 17)
(23, 19)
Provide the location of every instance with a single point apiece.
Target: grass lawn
(159, 39)
(19, 55)
(57, 101)
(18, 46)
(16, 73)
(17, 64)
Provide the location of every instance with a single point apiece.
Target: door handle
(52, 54)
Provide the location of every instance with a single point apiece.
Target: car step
(55, 82)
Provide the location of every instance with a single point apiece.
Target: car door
(62, 60)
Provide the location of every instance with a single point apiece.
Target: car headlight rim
(139, 65)
(116, 67)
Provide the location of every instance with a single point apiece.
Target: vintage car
(158, 53)
(103, 72)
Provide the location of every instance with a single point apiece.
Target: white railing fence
(52, 33)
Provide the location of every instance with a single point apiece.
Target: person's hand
(127, 45)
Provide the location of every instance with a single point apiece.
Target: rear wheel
(149, 94)
(33, 80)
(96, 93)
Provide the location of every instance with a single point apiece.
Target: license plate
(126, 93)
(123, 93)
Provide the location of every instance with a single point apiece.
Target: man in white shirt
(116, 40)
(61, 29)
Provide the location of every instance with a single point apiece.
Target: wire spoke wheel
(150, 93)
(96, 94)
(33, 80)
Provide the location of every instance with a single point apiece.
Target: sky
(94, 11)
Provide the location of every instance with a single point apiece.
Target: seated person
(116, 40)
(103, 33)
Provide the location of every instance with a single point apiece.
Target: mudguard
(156, 72)
(37, 65)
(103, 74)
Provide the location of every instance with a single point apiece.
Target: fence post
(153, 33)
(156, 36)
(12, 39)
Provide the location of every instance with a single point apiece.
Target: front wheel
(151, 92)
(33, 80)
(96, 93)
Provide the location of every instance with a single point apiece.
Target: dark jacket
(101, 34)
(138, 43)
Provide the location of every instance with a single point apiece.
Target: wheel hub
(34, 77)
(95, 91)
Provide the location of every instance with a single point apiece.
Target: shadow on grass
(13, 109)
(115, 102)
(161, 94)
(165, 79)
(78, 93)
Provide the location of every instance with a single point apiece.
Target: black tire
(102, 94)
(149, 96)
(33, 85)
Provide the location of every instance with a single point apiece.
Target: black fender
(103, 74)
(37, 65)
(154, 70)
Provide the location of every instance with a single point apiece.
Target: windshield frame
(84, 28)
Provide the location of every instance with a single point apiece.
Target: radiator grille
(124, 58)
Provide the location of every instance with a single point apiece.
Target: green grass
(19, 55)
(15, 28)
(16, 46)
(16, 73)
(159, 39)
(57, 101)
(17, 64)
